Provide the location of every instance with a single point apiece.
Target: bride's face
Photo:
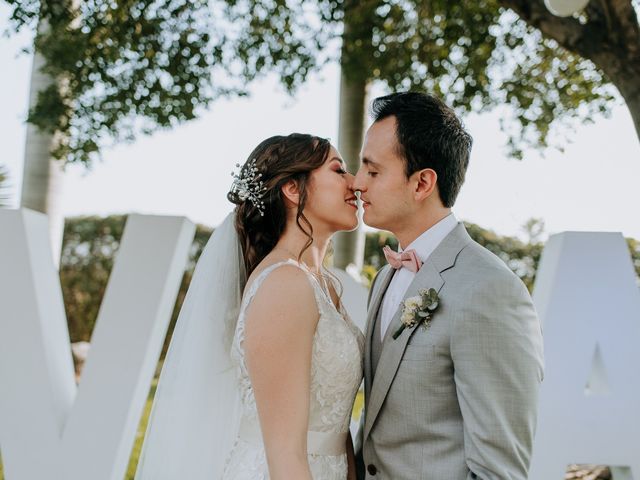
(331, 202)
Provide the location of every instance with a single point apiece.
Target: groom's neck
(419, 223)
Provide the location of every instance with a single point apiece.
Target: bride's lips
(352, 201)
(365, 204)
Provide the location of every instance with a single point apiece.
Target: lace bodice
(336, 374)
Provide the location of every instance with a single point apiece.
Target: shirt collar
(429, 240)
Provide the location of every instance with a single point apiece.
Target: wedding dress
(336, 374)
(203, 423)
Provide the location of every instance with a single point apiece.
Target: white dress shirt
(424, 246)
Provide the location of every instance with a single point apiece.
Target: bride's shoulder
(281, 283)
(285, 269)
(282, 298)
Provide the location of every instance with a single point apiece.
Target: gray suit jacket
(458, 400)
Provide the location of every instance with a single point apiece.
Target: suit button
(371, 468)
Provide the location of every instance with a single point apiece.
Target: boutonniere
(418, 309)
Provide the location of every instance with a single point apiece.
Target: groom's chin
(369, 222)
(368, 219)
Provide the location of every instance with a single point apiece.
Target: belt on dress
(318, 443)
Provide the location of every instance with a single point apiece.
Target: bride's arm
(280, 325)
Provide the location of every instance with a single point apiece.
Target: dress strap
(253, 288)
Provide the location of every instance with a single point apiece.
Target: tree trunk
(627, 80)
(354, 79)
(634, 109)
(42, 181)
(349, 246)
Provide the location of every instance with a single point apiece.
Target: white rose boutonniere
(418, 309)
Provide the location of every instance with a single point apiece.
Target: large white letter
(48, 428)
(589, 304)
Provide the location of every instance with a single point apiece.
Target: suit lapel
(392, 350)
(428, 276)
(374, 305)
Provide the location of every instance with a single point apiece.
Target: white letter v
(49, 429)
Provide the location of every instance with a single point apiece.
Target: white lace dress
(336, 373)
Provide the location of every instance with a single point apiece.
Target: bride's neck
(293, 241)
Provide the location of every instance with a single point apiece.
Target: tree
(103, 72)
(4, 187)
(42, 179)
(606, 33)
(476, 55)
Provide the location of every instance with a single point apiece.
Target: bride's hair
(279, 159)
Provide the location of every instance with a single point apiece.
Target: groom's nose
(358, 182)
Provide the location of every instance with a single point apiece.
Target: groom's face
(384, 188)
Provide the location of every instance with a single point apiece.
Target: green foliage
(142, 428)
(373, 248)
(119, 67)
(137, 65)
(634, 248)
(519, 256)
(90, 243)
(4, 187)
(89, 247)
(548, 87)
(474, 54)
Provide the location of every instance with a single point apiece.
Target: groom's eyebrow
(370, 163)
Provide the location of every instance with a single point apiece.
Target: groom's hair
(429, 135)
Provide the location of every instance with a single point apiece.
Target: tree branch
(626, 21)
(587, 40)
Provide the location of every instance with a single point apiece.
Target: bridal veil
(195, 415)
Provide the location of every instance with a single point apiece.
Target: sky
(591, 186)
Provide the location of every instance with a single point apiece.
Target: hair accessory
(247, 185)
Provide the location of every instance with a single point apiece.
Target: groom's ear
(426, 183)
(291, 193)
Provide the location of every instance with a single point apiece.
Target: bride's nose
(350, 180)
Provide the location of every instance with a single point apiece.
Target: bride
(261, 385)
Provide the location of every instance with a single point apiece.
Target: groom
(454, 397)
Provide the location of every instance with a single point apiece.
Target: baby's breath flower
(247, 185)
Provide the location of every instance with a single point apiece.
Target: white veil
(195, 414)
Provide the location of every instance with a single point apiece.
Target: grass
(137, 445)
(358, 405)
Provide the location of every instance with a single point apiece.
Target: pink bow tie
(408, 259)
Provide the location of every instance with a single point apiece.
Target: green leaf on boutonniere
(418, 309)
